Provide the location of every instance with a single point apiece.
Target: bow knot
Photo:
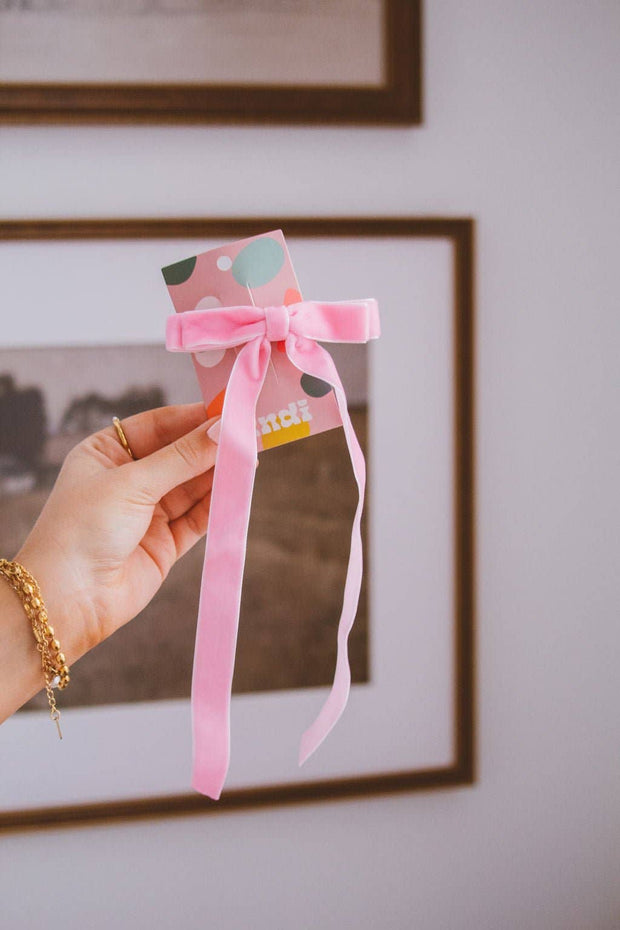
(276, 323)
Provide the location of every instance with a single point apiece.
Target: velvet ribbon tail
(310, 357)
(222, 577)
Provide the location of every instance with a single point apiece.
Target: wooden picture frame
(395, 99)
(457, 691)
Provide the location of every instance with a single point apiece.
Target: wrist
(67, 611)
(20, 663)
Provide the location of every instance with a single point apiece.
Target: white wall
(521, 131)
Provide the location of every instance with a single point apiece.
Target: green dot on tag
(180, 271)
(314, 387)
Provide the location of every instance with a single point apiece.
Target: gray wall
(521, 131)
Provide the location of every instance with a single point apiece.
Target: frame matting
(412, 725)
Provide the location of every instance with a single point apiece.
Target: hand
(112, 528)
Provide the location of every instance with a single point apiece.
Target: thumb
(185, 458)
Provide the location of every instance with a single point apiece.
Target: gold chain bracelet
(53, 662)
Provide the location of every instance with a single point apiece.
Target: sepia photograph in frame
(303, 506)
(417, 667)
(239, 61)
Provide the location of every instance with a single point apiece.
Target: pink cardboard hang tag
(256, 271)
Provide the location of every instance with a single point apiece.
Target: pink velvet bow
(299, 326)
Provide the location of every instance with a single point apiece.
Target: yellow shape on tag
(285, 434)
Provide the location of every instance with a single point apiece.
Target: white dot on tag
(224, 263)
(208, 303)
(210, 357)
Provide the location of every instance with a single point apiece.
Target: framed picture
(239, 61)
(98, 350)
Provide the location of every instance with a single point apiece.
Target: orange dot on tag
(216, 406)
(291, 296)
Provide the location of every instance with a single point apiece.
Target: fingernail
(214, 431)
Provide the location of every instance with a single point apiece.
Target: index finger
(151, 430)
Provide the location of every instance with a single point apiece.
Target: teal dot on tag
(179, 272)
(258, 263)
